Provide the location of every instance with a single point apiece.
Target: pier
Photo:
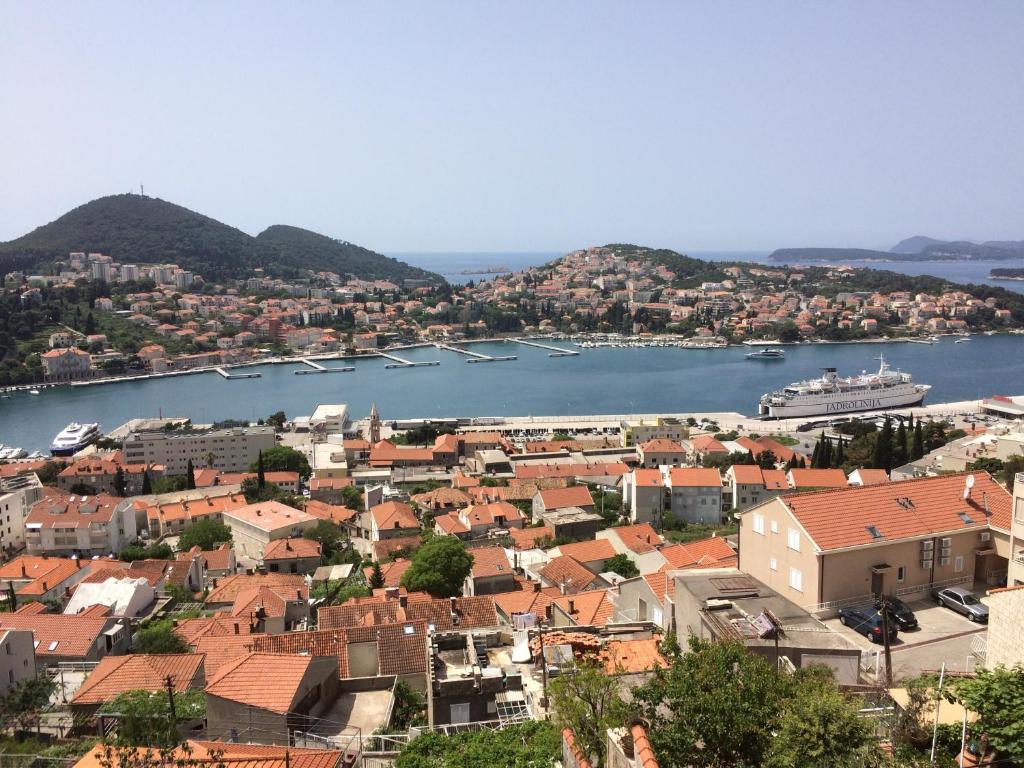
(315, 367)
(475, 357)
(554, 351)
(223, 372)
(402, 363)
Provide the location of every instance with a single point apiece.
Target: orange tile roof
(713, 552)
(218, 625)
(489, 561)
(568, 572)
(251, 601)
(560, 498)
(662, 445)
(525, 600)
(582, 761)
(217, 754)
(659, 583)
(625, 657)
(707, 444)
(872, 476)
(70, 511)
(48, 575)
(836, 519)
(290, 549)
(648, 478)
(588, 609)
(262, 680)
(332, 513)
(394, 514)
(139, 671)
(451, 524)
(471, 612)
(588, 551)
(639, 538)
(386, 548)
(694, 477)
(440, 498)
(528, 538)
(642, 750)
(58, 635)
(220, 650)
(747, 474)
(190, 509)
(269, 515)
(818, 478)
(228, 587)
(568, 470)
(392, 571)
(488, 514)
(775, 479)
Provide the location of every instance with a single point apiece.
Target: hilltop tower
(374, 425)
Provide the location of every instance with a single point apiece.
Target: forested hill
(688, 270)
(296, 246)
(138, 229)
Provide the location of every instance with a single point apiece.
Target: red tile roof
(588, 551)
(560, 498)
(567, 572)
(898, 510)
(707, 444)
(489, 562)
(394, 514)
(57, 635)
(228, 587)
(139, 671)
(392, 571)
(818, 478)
(713, 552)
(639, 538)
(219, 650)
(625, 657)
(775, 479)
(662, 445)
(469, 613)
(694, 477)
(262, 680)
(872, 476)
(747, 474)
(648, 478)
(70, 511)
(587, 609)
(219, 754)
(528, 538)
(290, 549)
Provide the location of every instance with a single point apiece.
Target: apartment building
(79, 525)
(747, 485)
(665, 428)
(17, 495)
(1015, 573)
(254, 526)
(834, 547)
(229, 450)
(643, 491)
(695, 494)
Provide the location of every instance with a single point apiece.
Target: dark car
(964, 602)
(867, 621)
(900, 613)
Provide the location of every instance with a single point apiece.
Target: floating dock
(315, 367)
(555, 351)
(223, 372)
(475, 357)
(401, 363)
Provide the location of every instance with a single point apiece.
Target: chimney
(391, 592)
(536, 586)
(23, 571)
(572, 606)
(452, 602)
(45, 588)
(298, 594)
(236, 628)
(548, 612)
(403, 601)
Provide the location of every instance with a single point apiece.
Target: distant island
(917, 248)
(498, 270)
(1006, 273)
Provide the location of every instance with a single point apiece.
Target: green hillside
(295, 246)
(139, 229)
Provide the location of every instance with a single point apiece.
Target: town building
(79, 525)
(229, 450)
(17, 496)
(695, 495)
(254, 526)
(69, 364)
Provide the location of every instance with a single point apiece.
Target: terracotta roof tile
(624, 657)
(713, 552)
(291, 549)
(568, 573)
(638, 538)
(588, 551)
(139, 671)
(528, 538)
(469, 613)
(587, 609)
(694, 477)
(560, 498)
(489, 561)
(261, 680)
(220, 650)
(818, 478)
(229, 587)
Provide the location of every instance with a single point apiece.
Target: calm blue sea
(612, 381)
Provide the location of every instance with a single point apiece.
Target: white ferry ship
(831, 394)
(73, 438)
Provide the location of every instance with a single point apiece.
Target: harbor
(475, 357)
(606, 380)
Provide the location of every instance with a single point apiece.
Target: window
(775, 526)
(958, 564)
(773, 564)
(796, 579)
(901, 573)
(758, 524)
(793, 539)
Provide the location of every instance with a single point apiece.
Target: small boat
(33, 391)
(962, 341)
(771, 353)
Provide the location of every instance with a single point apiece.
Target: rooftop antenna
(968, 484)
(142, 189)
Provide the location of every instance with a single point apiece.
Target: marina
(315, 367)
(227, 375)
(475, 357)
(555, 351)
(605, 380)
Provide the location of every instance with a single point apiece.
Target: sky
(525, 126)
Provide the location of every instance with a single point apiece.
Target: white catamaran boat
(73, 438)
(831, 394)
(769, 353)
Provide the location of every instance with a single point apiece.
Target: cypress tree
(815, 457)
(917, 450)
(840, 457)
(826, 454)
(376, 576)
(119, 481)
(190, 476)
(900, 453)
(147, 484)
(261, 480)
(883, 447)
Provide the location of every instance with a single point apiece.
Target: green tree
(26, 700)
(533, 744)
(410, 708)
(439, 566)
(281, 458)
(917, 449)
(144, 717)
(376, 576)
(333, 540)
(206, 534)
(883, 447)
(190, 476)
(1011, 467)
(261, 477)
(587, 701)
(820, 726)
(621, 565)
(158, 637)
(352, 497)
(119, 484)
(277, 419)
(767, 459)
(147, 483)
(997, 697)
(719, 696)
(900, 453)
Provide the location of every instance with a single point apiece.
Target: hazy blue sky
(522, 125)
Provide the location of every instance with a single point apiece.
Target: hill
(135, 228)
(914, 244)
(800, 255)
(688, 270)
(296, 246)
(917, 248)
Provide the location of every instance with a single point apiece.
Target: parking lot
(942, 636)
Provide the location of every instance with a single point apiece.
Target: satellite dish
(970, 481)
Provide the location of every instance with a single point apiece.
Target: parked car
(868, 622)
(900, 613)
(963, 601)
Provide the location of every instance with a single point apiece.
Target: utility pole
(883, 607)
(544, 668)
(170, 698)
